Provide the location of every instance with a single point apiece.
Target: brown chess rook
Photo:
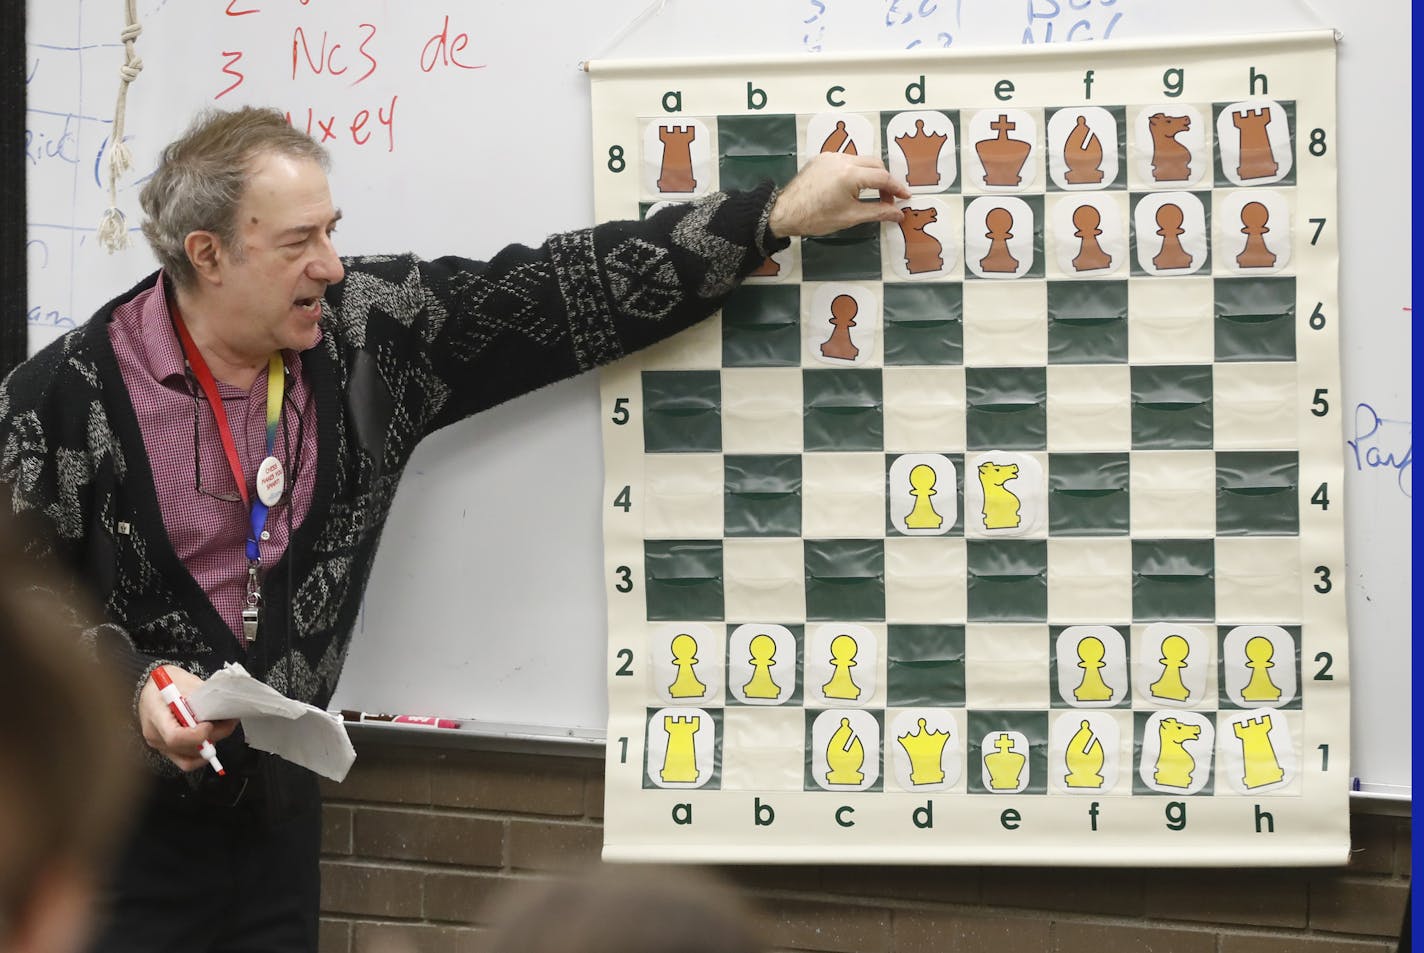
(1257, 159)
(1003, 158)
(676, 172)
(1091, 256)
(1169, 226)
(923, 252)
(921, 151)
(999, 221)
(839, 345)
(1083, 154)
(839, 140)
(1254, 217)
(1171, 161)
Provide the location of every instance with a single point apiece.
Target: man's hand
(163, 732)
(825, 196)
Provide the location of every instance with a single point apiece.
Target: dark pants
(201, 874)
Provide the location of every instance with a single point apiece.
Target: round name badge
(271, 480)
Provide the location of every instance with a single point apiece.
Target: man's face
(271, 289)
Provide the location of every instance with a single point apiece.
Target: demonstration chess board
(1009, 533)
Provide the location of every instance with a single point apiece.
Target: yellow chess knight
(925, 750)
(1174, 763)
(1001, 508)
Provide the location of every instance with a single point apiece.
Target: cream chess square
(842, 495)
(925, 580)
(1089, 407)
(1171, 321)
(761, 749)
(1005, 323)
(924, 409)
(1258, 580)
(683, 495)
(1090, 580)
(1254, 406)
(1006, 666)
(765, 580)
(761, 410)
(1173, 493)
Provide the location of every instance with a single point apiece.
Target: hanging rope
(113, 232)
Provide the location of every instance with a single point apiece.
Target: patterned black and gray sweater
(408, 347)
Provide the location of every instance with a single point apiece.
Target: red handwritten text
(331, 60)
(325, 126)
(442, 49)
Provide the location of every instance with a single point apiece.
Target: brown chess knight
(1003, 158)
(921, 152)
(1083, 155)
(923, 252)
(1171, 161)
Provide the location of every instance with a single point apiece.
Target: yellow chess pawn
(1090, 659)
(841, 685)
(922, 487)
(1001, 508)
(1259, 653)
(925, 749)
(1084, 759)
(684, 656)
(761, 684)
(1174, 658)
(844, 756)
(1005, 764)
(680, 759)
(1175, 763)
(1262, 767)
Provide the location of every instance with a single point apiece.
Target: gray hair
(203, 175)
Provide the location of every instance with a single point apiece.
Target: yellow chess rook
(684, 656)
(1174, 658)
(1174, 763)
(1262, 767)
(1259, 655)
(1005, 765)
(761, 684)
(1090, 659)
(925, 750)
(680, 759)
(1084, 759)
(922, 487)
(1001, 508)
(841, 685)
(844, 756)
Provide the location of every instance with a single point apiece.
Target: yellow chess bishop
(1005, 764)
(684, 656)
(1084, 759)
(844, 756)
(1174, 658)
(680, 759)
(1262, 767)
(761, 685)
(1259, 655)
(1090, 659)
(925, 750)
(841, 685)
(922, 487)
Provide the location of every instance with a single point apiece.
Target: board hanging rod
(652, 10)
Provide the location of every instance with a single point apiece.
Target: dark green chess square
(1149, 246)
(1006, 408)
(887, 143)
(761, 327)
(791, 673)
(1087, 322)
(808, 747)
(1089, 494)
(850, 254)
(1205, 758)
(1035, 268)
(845, 580)
(763, 495)
(924, 666)
(1008, 580)
(682, 411)
(714, 780)
(684, 579)
(1119, 114)
(1173, 580)
(924, 323)
(1277, 664)
(1221, 180)
(844, 409)
(1058, 693)
(986, 726)
(1171, 407)
(1255, 319)
(1257, 493)
(755, 148)
(957, 459)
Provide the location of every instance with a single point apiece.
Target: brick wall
(417, 841)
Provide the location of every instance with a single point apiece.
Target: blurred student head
(627, 909)
(66, 769)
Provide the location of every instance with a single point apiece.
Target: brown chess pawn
(999, 221)
(1003, 158)
(1171, 161)
(839, 345)
(769, 268)
(1169, 226)
(1083, 154)
(676, 172)
(921, 152)
(839, 140)
(1254, 217)
(1091, 256)
(1257, 160)
(923, 252)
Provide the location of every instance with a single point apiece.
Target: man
(217, 450)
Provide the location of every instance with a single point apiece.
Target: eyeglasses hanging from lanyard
(271, 478)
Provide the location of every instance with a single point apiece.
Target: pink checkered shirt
(210, 534)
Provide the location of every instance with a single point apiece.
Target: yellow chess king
(1090, 659)
(844, 756)
(680, 759)
(1173, 660)
(1005, 764)
(1259, 653)
(1084, 759)
(925, 749)
(841, 685)
(684, 656)
(1262, 767)
(761, 685)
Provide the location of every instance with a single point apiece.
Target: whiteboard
(487, 600)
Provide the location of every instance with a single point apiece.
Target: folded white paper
(301, 733)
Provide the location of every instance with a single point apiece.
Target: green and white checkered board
(1031, 560)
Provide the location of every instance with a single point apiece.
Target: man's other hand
(163, 732)
(824, 196)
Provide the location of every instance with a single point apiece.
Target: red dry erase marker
(179, 706)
